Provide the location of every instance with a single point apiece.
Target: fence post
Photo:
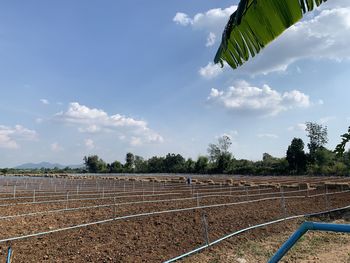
(326, 196)
(115, 207)
(283, 203)
(205, 229)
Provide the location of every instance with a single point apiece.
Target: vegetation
(317, 161)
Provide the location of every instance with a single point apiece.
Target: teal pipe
(306, 226)
(9, 254)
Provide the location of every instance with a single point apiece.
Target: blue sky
(92, 77)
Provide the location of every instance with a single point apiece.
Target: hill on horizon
(46, 165)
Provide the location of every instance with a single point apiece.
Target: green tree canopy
(296, 156)
(94, 164)
(318, 137)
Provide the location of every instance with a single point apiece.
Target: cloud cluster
(211, 70)
(211, 22)
(9, 136)
(321, 37)
(56, 147)
(267, 135)
(44, 101)
(298, 127)
(323, 34)
(90, 120)
(262, 101)
(90, 144)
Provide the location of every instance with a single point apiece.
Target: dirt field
(151, 219)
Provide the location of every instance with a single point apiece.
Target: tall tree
(129, 162)
(219, 154)
(94, 164)
(318, 137)
(140, 164)
(296, 156)
(174, 163)
(115, 167)
(220, 148)
(201, 165)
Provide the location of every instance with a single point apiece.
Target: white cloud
(323, 35)
(38, 120)
(9, 136)
(210, 39)
(262, 101)
(211, 22)
(211, 70)
(297, 127)
(326, 119)
(56, 147)
(90, 144)
(182, 19)
(90, 120)
(135, 141)
(231, 134)
(44, 101)
(267, 135)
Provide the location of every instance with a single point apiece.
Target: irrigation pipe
(137, 190)
(125, 203)
(250, 228)
(133, 203)
(108, 197)
(139, 215)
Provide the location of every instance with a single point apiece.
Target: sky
(110, 77)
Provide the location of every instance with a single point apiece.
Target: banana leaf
(256, 23)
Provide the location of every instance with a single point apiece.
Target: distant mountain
(46, 165)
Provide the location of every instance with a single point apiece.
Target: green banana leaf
(256, 23)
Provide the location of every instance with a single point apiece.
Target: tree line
(318, 160)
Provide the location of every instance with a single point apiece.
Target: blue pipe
(306, 226)
(9, 254)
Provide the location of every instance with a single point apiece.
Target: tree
(216, 150)
(256, 23)
(140, 164)
(156, 164)
(296, 156)
(115, 167)
(201, 165)
(318, 137)
(340, 148)
(174, 163)
(190, 166)
(94, 164)
(129, 162)
(219, 154)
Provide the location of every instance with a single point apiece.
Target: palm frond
(340, 148)
(256, 23)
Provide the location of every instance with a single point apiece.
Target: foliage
(219, 154)
(296, 156)
(115, 167)
(256, 23)
(94, 164)
(340, 148)
(129, 162)
(318, 137)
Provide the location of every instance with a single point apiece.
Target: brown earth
(150, 238)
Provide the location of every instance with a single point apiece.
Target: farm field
(148, 218)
